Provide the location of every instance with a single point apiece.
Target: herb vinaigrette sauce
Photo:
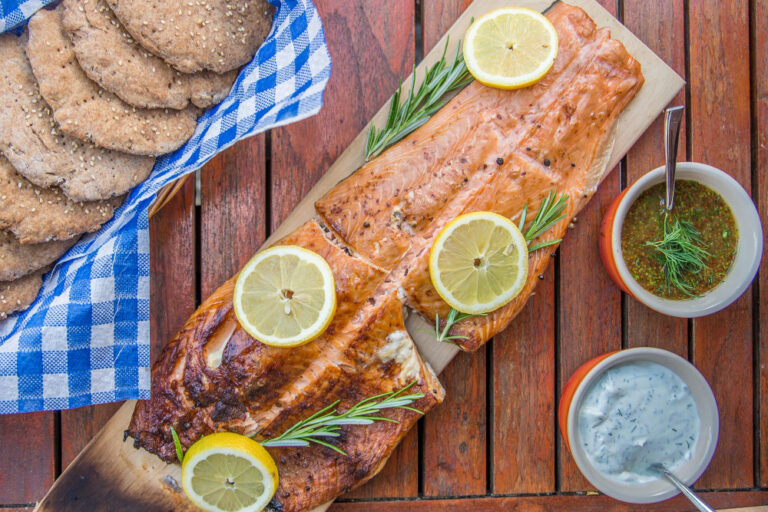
(695, 203)
(634, 415)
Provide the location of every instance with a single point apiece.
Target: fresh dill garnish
(681, 251)
(550, 213)
(419, 106)
(327, 422)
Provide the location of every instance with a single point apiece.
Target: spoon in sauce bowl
(673, 117)
(692, 497)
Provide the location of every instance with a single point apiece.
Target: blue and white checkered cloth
(85, 340)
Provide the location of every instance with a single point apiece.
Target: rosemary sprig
(419, 106)
(177, 445)
(550, 213)
(681, 250)
(453, 317)
(327, 422)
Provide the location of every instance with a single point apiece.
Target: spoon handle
(673, 117)
(688, 493)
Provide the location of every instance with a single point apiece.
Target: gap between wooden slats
(581, 503)
(454, 445)
(759, 45)
(372, 47)
(590, 305)
(720, 136)
(661, 25)
(172, 287)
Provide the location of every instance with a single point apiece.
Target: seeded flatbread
(111, 58)
(37, 215)
(19, 294)
(219, 35)
(17, 259)
(31, 141)
(86, 111)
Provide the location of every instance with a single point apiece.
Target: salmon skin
(487, 149)
(490, 150)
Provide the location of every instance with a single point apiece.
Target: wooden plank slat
(582, 503)
(760, 51)
(172, 292)
(654, 22)
(590, 305)
(372, 48)
(456, 468)
(232, 212)
(455, 431)
(27, 461)
(720, 136)
(524, 397)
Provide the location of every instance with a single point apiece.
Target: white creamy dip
(634, 415)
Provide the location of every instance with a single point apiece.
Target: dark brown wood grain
(372, 48)
(172, 291)
(653, 23)
(720, 136)
(27, 456)
(455, 431)
(232, 211)
(523, 428)
(582, 503)
(455, 468)
(760, 175)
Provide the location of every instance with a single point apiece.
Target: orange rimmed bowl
(749, 249)
(655, 490)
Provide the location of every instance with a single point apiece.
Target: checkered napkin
(85, 340)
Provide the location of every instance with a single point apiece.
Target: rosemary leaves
(419, 106)
(326, 423)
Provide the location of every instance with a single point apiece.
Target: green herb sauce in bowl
(713, 232)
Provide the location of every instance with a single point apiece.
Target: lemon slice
(285, 296)
(479, 262)
(510, 48)
(227, 472)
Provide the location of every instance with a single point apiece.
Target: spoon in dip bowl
(692, 497)
(673, 117)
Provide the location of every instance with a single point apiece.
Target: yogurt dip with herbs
(636, 414)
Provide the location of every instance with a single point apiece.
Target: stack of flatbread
(90, 94)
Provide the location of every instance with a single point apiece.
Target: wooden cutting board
(109, 472)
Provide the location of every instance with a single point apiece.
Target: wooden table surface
(493, 444)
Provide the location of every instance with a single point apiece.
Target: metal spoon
(698, 502)
(673, 116)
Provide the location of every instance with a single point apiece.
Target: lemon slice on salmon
(479, 262)
(510, 48)
(228, 472)
(285, 296)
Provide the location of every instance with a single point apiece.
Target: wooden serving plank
(112, 471)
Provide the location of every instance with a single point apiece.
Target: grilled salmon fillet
(214, 377)
(487, 149)
(491, 150)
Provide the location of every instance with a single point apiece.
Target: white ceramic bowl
(689, 471)
(748, 251)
